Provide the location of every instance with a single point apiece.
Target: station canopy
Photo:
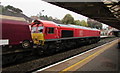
(106, 11)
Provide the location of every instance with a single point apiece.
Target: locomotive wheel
(26, 44)
(42, 50)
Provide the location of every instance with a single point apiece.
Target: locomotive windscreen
(66, 33)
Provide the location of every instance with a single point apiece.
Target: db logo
(81, 33)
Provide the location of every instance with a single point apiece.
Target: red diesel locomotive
(46, 33)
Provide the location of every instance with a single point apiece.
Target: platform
(102, 58)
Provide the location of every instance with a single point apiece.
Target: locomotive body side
(65, 31)
(50, 31)
(81, 31)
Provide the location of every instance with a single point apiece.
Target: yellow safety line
(68, 68)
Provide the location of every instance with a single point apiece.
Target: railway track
(29, 62)
(9, 56)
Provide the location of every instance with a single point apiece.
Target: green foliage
(94, 24)
(68, 19)
(77, 22)
(50, 18)
(2, 9)
(13, 9)
(83, 23)
(9, 10)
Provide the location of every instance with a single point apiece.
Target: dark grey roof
(105, 12)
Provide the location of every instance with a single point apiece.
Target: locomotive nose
(38, 38)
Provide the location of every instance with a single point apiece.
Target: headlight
(40, 41)
(36, 38)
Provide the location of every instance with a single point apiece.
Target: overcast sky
(33, 7)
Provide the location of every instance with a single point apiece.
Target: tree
(68, 19)
(77, 22)
(13, 9)
(46, 17)
(83, 23)
(94, 24)
(1, 9)
(9, 7)
(50, 18)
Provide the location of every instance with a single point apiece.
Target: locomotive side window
(40, 29)
(33, 29)
(50, 30)
(37, 29)
(66, 33)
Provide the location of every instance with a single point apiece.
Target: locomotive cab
(37, 33)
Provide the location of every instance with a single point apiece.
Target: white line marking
(103, 36)
(71, 57)
(4, 42)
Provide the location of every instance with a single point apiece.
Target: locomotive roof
(76, 26)
(63, 25)
(82, 27)
(12, 18)
(44, 22)
(50, 23)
